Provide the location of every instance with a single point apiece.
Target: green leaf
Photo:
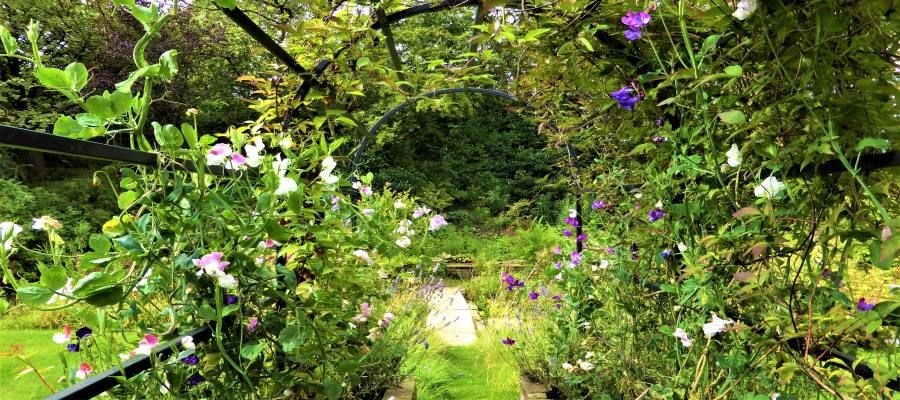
(362, 62)
(67, 126)
(733, 117)
(53, 277)
(10, 45)
(709, 45)
(332, 388)
(586, 43)
(167, 136)
(100, 106)
(150, 70)
(88, 121)
(734, 70)
(641, 149)
(53, 78)
(121, 102)
(884, 252)
(145, 15)
(229, 4)
(190, 135)
(106, 297)
(34, 295)
(252, 350)
(275, 231)
(207, 312)
(168, 66)
(126, 199)
(872, 326)
(99, 243)
(78, 76)
(93, 283)
(290, 337)
(881, 144)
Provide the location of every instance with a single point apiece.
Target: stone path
(451, 318)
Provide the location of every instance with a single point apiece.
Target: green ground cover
(478, 371)
(37, 348)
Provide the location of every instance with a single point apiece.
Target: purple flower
(558, 300)
(632, 35)
(575, 258)
(599, 205)
(508, 342)
(251, 325)
(610, 250)
(582, 237)
(567, 233)
(626, 97)
(191, 359)
(511, 282)
(573, 221)
(557, 250)
(665, 254)
(230, 299)
(636, 20)
(863, 306)
(195, 379)
(83, 332)
(658, 139)
(660, 121)
(558, 265)
(655, 214)
(73, 347)
(634, 251)
(533, 295)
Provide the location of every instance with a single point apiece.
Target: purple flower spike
(83, 332)
(599, 205)
(508, 342)
(655, 214)
(626, 97)
(863, 306)
(635, 20)
(533, 295)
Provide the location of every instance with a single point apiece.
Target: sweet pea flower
(364, 312)
(744, 9)
(84, 370)
(230, 299)
(226, 281)
(386, 320)
(624, 96)
(211, 264)
(508, 342)
(254, 151)
(683, 336)
(403, 227)
(864, 306)
(567, 233)
(73, 347)
(511, 282)
(557, 250)
(368, 212)
(364, 256)
(581, 238)
(191, 359)
(420, 212)
(187, 343)
(585, 365)
(64, 336)
(533, 295)
(218, 154)
(436, 222)
(604, 264)
(269, 243)
(146, 345)
(655, 214)
(45, 223)
(636, 19)
(403, 242)
(769, 188)
(734, 156)
(632, 35)
(252, 324)
(83, 332)
(568, 367)
(398, 204)
(280, 166)
(328, 165)
(195, 379)
(8, 232)
(285, 185)
(237, 161)
(716, 326)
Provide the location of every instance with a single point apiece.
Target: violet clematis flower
(511, 282)
(195, 379)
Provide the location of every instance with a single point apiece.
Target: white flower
(744, 9)
(717, 325)
(45, 223)
(734, 156)
(398, 204)
(328, 165)
(421, 212)
(218, 154)
(281, 166)
(254, 152)
(769, 188)
(8, 231)
(682, 247)
(187, 343)
(403, 242)
(285, 185)
(604, 264)
(568, 367)
(364, 256)
(585, 365)
(436, 222)
(589, 355)
(573, 213)
(83, 371)
(683, 336)
(638, 195)
(226, 281)
(403, 227)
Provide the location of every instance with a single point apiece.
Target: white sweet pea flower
(226, 281)
(421, 212)
(328, 165)
(744, 9)
(683, 336)
(436, 222)
(585, 365)
(769, 188)
(573, 213)
(285, 185)
(398, 204)
(716, 326)
(254, 152)
(281, 166)
(8, 232)
(187, 343)
(45, 223)
(364, 256)
(403, 242)
(734, 156)
(403, 227)
(568, 367)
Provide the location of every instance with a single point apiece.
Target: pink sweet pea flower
(64, 336)
(211, 264)
(252, 324)
(146, 345)
(83, 371)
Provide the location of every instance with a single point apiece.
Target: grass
(477, 371)
(35, 346)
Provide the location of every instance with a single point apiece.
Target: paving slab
(451, 318)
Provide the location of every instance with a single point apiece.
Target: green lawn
(37, 347)
(478, 371)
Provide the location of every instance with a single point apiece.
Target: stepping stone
(451, 318)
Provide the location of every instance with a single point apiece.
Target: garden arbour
(885, 159)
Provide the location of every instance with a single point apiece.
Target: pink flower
(64, 336)
(218, 153)
(252, 324)
(211, 264)
(146, 345)
(437, 222)
(269, 243)
(386, 320)
(364, 312)
(83, 371)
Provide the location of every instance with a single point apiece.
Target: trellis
(99, 383)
